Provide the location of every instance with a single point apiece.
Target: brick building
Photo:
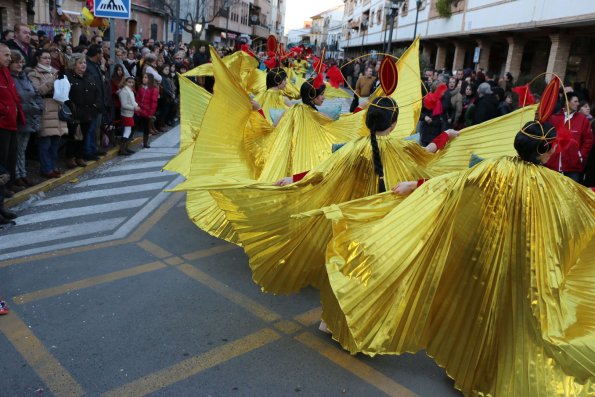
(524, 37)
(148, 17)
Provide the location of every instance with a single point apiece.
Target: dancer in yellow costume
(492, 274)
(287, 254)
(274, 97)
(251, 148)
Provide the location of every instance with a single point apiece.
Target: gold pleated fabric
(491, 270)
(194, 101)
(332, 92)
(271, 99)
(302, 140)
(293, 253)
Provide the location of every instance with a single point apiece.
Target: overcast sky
(298, 11)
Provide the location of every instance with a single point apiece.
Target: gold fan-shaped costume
(288, 254)
(271, 99)
(491, 270)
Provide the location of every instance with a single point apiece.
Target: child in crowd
(128, 106)
(146, 98)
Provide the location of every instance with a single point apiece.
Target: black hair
(58, 37)
(382, 113)
(499, 92)
(528, 144)
(308, 92)
(570, 95)
(38, 53)
(275, 77)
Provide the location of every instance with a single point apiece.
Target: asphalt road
(115, 292)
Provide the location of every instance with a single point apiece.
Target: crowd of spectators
(108, 100)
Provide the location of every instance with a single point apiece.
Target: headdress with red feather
(433, 100)
(525, 95)
(335, 76)
(272, 49)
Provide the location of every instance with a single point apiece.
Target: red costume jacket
(574, 157)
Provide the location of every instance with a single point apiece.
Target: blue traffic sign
(112, 9)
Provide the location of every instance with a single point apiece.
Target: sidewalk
(68, 175)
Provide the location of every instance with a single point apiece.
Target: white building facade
(524, 37)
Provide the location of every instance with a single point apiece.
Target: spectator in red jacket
(10, 111)
(146, 98)
(571, 160)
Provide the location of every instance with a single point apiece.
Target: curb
(49, 184)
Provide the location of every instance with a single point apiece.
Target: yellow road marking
(194, 365)
(174, 261)
(248, 304)
(56, 377)
(154, 249)
(356, 367)
(209, 251)
(88, 282)
(310, 317)
(287, 327)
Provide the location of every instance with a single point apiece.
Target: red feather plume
(525, 95)
(335, 76)
(271, 63)
(432, 100)
(318, 81)
(548, 100)
(246, 49)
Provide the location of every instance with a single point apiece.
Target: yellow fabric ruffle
(287, 254)
(194, 101)
(332, 92)
(271, 99)
(408, 93)
(491, 270)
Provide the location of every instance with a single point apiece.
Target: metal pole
(384, 40)
(227, 23)
(112, 43)
(416, 18)
(361, 51)
(177, 31)
(392, 26)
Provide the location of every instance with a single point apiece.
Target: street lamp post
(394, 13)
(227, 5)
(418, 5)
(364, 27)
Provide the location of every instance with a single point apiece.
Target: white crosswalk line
(125, 178)
(101, 193)
(135, 166)
(18, 240)
(161, 152)
(79, 211)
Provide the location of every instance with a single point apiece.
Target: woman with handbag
(52, 128)
(84, 103)
(32, 104)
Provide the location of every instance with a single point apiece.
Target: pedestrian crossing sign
(112, 9)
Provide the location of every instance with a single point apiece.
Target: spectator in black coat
(486, 105)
